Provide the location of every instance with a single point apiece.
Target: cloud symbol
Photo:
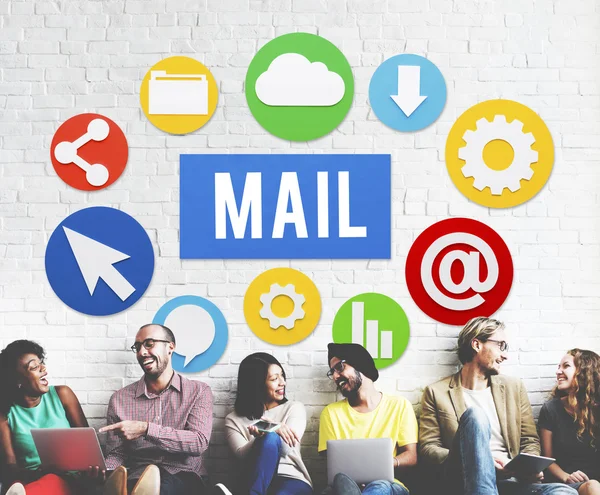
(293, 81)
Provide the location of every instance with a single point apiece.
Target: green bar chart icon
(376, 322)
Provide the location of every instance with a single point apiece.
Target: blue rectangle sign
(285, 206)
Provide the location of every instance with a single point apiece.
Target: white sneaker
(219, 489)
(18, 489)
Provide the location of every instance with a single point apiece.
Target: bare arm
(72, 407)
(406, 457)
(554, 469)
(11, 471)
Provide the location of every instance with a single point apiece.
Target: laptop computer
(362, 459)
(68, 449)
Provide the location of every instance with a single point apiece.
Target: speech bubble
(194, 330)
(200, 330)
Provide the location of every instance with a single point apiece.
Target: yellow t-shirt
(393, 418)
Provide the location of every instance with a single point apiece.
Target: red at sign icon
(458, 269)
(89, 152)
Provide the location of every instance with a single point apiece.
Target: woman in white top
(271, 461)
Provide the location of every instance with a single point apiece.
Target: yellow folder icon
(177, 94)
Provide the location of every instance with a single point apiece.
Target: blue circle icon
(407, 92)
(99, 261)
(200, 332)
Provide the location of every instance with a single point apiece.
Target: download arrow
(409, 96)
(96, 260)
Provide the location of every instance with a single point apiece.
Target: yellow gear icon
(499, 153)
(277, 321)
(282, 306)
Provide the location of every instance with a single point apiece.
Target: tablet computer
(528, 463)
(68, 449)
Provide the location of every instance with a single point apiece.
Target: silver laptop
(363, 459)
(68, 449)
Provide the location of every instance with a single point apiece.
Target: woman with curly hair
(28, 401)
(570, 422)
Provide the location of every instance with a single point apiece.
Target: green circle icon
(376, 322)
(299, 86)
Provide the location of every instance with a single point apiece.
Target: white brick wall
(58, 59)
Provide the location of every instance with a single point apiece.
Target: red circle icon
(458, 269)
(89, 151)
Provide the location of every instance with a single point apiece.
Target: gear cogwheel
(497, 180)
(274, 320)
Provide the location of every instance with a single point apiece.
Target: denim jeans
(469, 468)
(344, 485)
(513, 487)
(262, 464)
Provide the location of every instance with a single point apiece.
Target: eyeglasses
(34, 366)
(339, 367)
(148, 344)
(501, 343)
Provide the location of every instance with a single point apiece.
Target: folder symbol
(177, 94)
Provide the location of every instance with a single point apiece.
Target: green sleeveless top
(49, 413)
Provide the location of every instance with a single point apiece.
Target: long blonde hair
(583, 397)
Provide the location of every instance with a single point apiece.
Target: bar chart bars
(376, 322)
(377, 342)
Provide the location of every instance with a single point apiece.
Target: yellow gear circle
(498, 155)
(173, 67)
(282, 306)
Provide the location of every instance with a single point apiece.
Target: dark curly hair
(8, 369)
(251, 388)
(583, 397)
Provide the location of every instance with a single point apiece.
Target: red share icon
(89, 151)
(458, 269)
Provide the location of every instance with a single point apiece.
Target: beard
(355, 383)
(491, 371)
(157, 370)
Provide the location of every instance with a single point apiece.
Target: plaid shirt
(179, 426)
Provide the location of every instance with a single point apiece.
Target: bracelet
(395, 462)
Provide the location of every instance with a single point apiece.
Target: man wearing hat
(366, 413)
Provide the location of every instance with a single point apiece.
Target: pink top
(179, 427)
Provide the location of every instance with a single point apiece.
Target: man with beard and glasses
(472, 423)
(160, 425)
(366, 413)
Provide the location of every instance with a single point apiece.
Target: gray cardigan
(293, 414)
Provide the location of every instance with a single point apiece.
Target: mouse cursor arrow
(409, 96)
(96, 260)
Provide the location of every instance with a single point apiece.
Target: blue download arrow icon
(409, 96)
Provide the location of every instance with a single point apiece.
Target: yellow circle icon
(179, 95)
(499, 153)
(282, 306)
